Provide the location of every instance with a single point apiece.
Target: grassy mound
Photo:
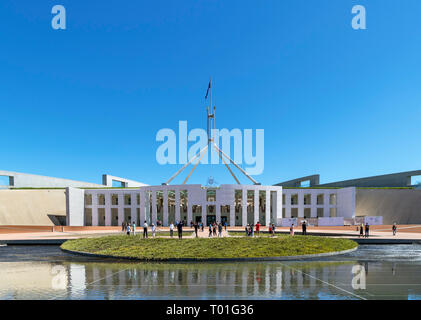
(203, 248)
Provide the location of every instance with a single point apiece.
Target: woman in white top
(171, 229)
(153, 230)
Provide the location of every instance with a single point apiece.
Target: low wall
(31, 207)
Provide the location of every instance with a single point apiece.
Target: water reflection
(349, 278)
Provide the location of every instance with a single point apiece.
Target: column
(120, 208)
(232, 215)
(288, 205)
(300, 204)
(154, 213)
(267, 211)
(256, 206)
(218, 213)
(244, 213)
(313, 205)
(108, 209)
(142, 207)
(165, 209)
(94, 209)
(189, 212)
(133, 198)
(278, 207)
(177, 205)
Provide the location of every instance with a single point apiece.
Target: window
(307, 199)
(415, 180)
(332, 212)
(114, 199)
(101, 199)
(332, 199)
(320, 199)
(305, 184)
(294, 212)
(283, 199)
(294, 199)
(211, 195)
(88, 199)
(127, 199)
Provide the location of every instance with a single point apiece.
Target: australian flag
(207, 91)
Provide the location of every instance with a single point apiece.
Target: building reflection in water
(268, 280)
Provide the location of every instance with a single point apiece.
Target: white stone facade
(235, 204)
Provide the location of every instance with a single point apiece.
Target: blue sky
(89, 100)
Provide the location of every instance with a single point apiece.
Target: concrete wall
(401, 179)
(31, 207)
(75, 207)
(25, 180)
(395, 205)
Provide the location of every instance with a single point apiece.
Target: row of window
(320, 199)
(210, 197)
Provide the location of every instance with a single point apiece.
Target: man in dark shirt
(180, 230)
(196, 227)
(367, 229)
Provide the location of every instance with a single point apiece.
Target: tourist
(196, 228)
(214, 229)
(128, 229)
(202, 226)
(247, 231)
(145, 230)
(394, 229)
(273, 228)
(258, 228)
(291, 230)
(220, 230)
(171, 229)
(304, 227)
(225, 225)
(153, 230)
(367, 229)
(180, 230)
(123, 226)
(251, 230)
(210, 231)
(361, 231)
(134, 228)
(270, 230)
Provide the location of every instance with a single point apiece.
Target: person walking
(251, 230)
(145, 229)
(171, 229)
(153, 230)
(247, 230)
(134, 228)
(123, 226)
(273, 229)
(291, 230)
(210, 231)
(214, 229)
(225, 225)
(258, 228)
(304, 227)
(202, 225)
(361, 231)
(128, 229)
(180, 230)
(367, 229)
(394, 229)
(270, 230)
(220, 230)
(196, 228)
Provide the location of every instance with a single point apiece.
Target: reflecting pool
(371, 272)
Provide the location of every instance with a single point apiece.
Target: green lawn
(203, 248)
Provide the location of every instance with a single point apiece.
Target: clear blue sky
(89, 100)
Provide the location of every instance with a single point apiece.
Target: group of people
(130, 229)
(364, 230)
(179, 225)
(215, 229)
